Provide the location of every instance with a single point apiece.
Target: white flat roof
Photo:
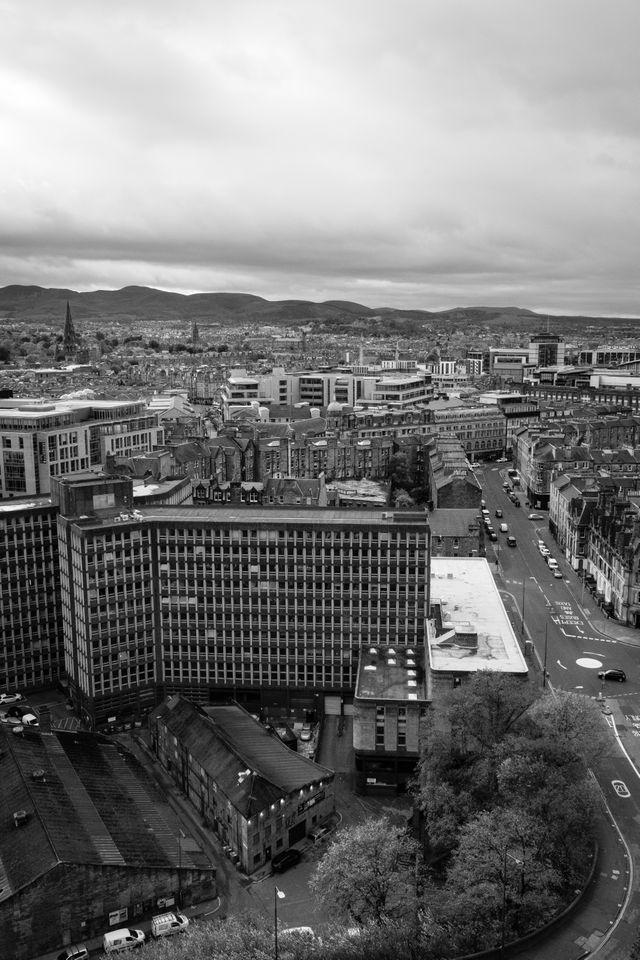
(471, 602)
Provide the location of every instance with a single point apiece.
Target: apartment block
(268, 606)
(396, 389)
(480, 429)
(40, 439)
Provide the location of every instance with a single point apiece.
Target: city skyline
(460, 153)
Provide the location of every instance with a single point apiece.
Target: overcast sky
(425, 154)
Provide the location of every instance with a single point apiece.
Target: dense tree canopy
(368, 873)
(508, 805)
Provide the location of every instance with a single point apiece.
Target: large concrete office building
(269, 606)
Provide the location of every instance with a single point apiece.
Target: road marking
(561, 665)
(621, 788)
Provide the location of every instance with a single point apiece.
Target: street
(573, 640)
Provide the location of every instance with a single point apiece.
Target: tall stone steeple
(195, 333)
(70, 339)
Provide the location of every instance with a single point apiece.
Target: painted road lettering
(620, 788)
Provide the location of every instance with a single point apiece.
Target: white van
(504, 528)
(166, 924)
(115, 941)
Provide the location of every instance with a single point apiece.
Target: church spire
(70, 339)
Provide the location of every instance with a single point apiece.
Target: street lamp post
(277, 895)
(544, 666)
(503, 924)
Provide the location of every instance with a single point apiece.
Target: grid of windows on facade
(118, 625)
(30, 623)
(402, 728)
(380, 726)
(284, 607)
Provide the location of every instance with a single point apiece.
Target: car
(306, 732)
(536, 516)
(10, 698)
(318, 833)
(544, 550)
(506, 485)
(28, 720)
(552, 563)
(166, 924)
(303, 934)
(558, 573)
(498, 512)
(516, 502)
(493, 536)
(287, 858)
(614, 673)
(502, 460)
(511, 542)
(75, 951)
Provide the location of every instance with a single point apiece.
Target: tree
(398, 471)
(5, 353)
(368, 873)
(501, 863)
(572, 727)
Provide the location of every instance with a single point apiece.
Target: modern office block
(267, 606)
(31, 647)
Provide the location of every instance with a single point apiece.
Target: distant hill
(133, 303)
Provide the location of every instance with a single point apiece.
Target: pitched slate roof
(86, 800)
(249, 763)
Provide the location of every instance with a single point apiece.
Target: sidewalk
(594, 616)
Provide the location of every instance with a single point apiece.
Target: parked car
(303, 934)
(498, 513)
(10, 698)
(536, 516)
(166, 924)
(614, 673)
(75, 951)
(502, 460)
(28, 720)
(288, 858)
(544, 550)
(557, 572)
(516, 502)
(318, 833)
(511, 542)
(116, 941)
(493, 536)
(552, 563)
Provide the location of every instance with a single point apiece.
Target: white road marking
(561, 665)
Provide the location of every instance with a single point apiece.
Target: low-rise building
(87, 842)
(390, 705)
(259, 796)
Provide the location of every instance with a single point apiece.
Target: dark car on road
(288, 858)
(615, 673)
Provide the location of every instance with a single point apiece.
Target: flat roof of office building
(387, 672)
(470, 629)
